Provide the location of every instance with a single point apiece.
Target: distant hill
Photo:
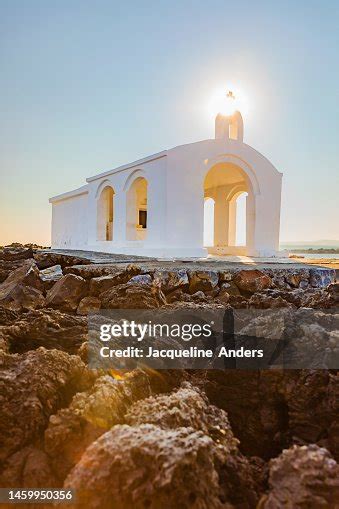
(311, 244)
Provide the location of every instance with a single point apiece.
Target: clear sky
(89, 85)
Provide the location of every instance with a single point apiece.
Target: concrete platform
(212, 263)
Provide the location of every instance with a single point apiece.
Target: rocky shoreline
(188, 439)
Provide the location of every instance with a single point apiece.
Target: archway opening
(136, 213)
(227, 185)
(208, 222)
(105, 211)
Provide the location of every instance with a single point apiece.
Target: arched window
(105, 212)
(136, 212)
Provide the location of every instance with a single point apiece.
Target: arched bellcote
(229, 127)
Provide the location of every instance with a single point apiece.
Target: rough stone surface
(171, 281)
(46, 327)
(88, 304)
(146, 466)
(28, 468)
(10, 253)
(133, 296)
(89, 415)
(21, 289)
(202, 280)
(103, 283)
(67, 293)
(50, 276)
(186, 407)
(252, 281)
(32, 387)
(303, 477)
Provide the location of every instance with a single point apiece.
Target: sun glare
(227, 101)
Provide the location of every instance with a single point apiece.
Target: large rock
(252, 281)
(321, 277)
(89, 415)
(32, 387)
(103, 283)
(171, 280)
(12, 253)
(133, 296)
(21, 289)
(50, 276)
(145, 466)
(88, 304)
(189, 407)
(28, 468)
(185, 407)
(203, 280)
(303, 477)
(46, 327)
(67, 293)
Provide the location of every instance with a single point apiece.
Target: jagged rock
(178, 295)
(8, 316)
(303, 477)
(103, 283)
(47, 327)
(319, 278)
(67, 293)
(89, 415)
(47, 259)
(21, 297)
(11, 253)
(121, 273)
(225, 276)
(50, 276)
(141, 279)
(295, 278)
(28, 468)
(27, 274)
(132, 296)
(186, 407)
(311, 297)
(151, 467)
(333, 292)
(21, 289)
(171, 281)
(252, 281)
(230, 288)
(32, 387)
(200, 296)
(6, 267)
(264, 301)
(88, 304)
(202, 280)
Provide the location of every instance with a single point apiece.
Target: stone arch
(248, 170)
(225, 181)
(105, 211)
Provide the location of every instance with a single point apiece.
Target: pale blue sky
(86, 86)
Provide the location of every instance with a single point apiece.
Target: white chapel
(155, 206)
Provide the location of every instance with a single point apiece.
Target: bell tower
(229, 124)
